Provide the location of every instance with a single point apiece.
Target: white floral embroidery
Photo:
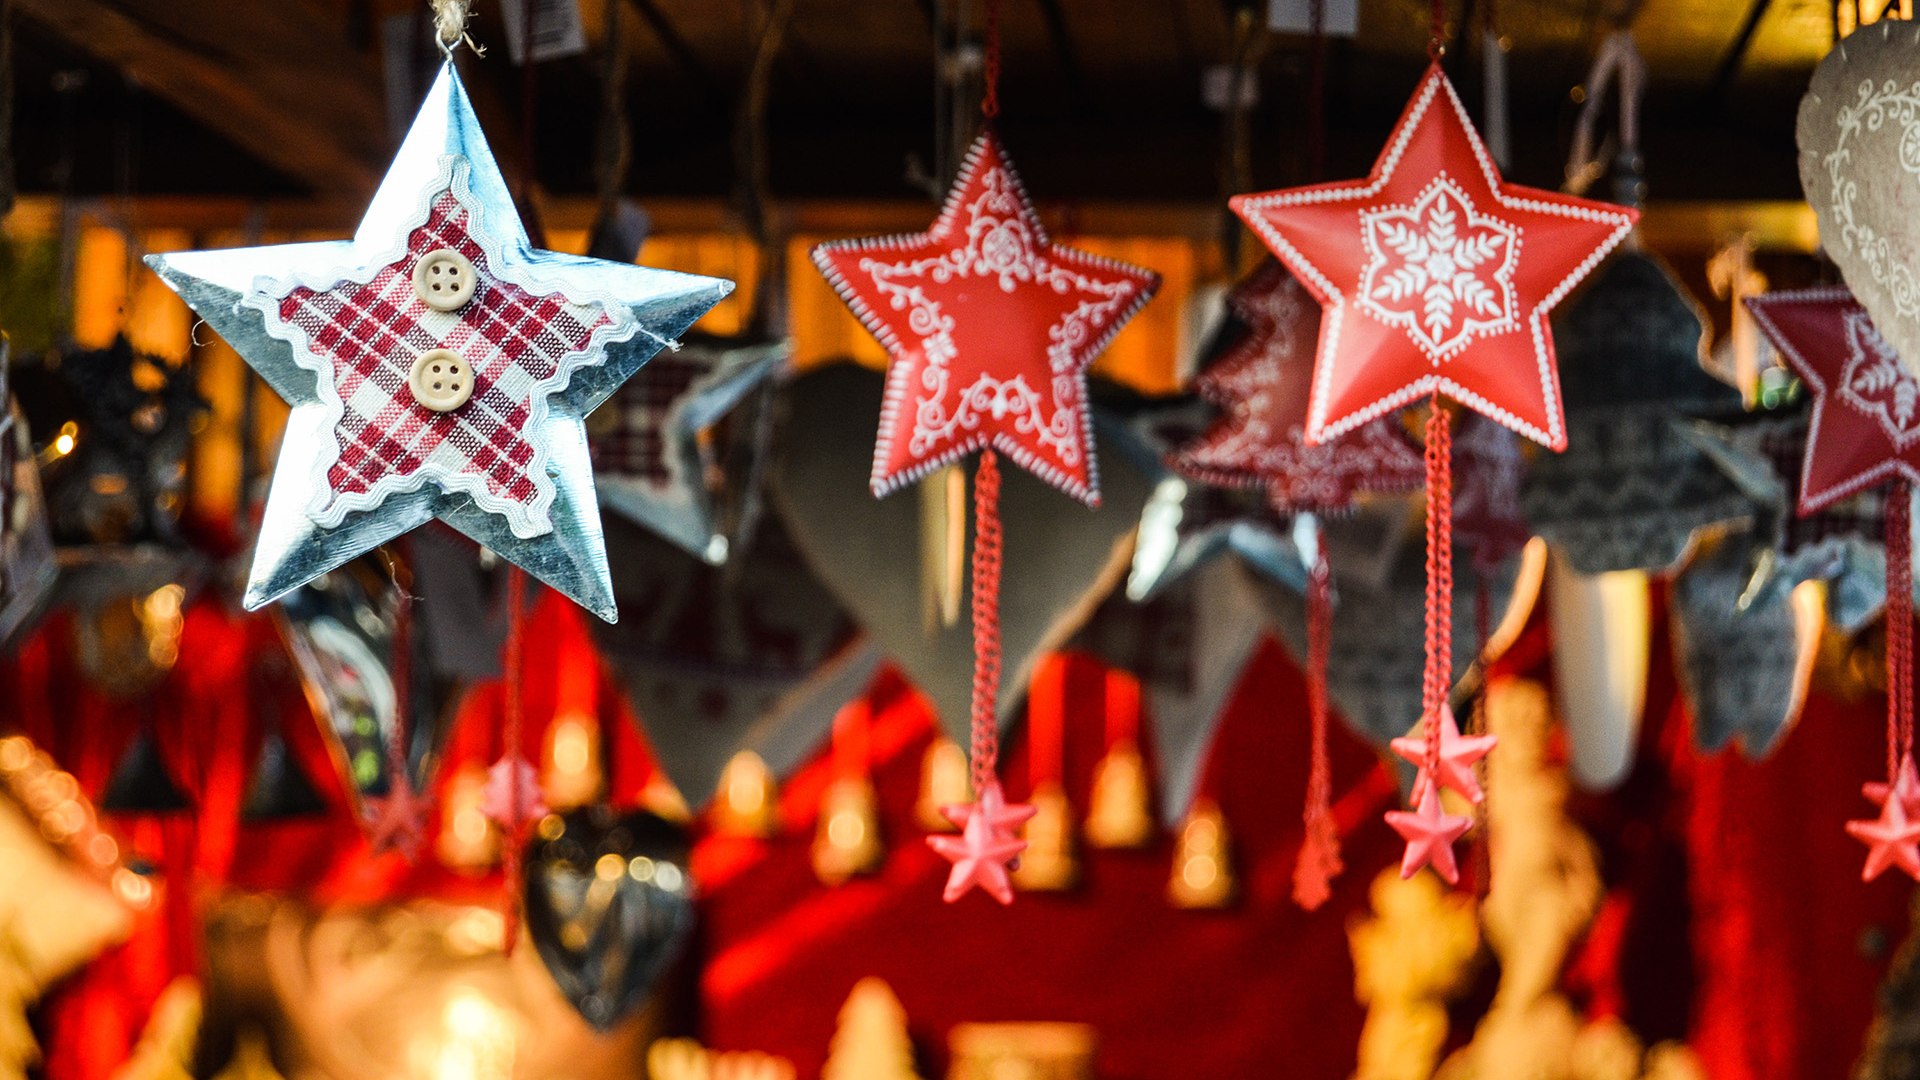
(1875, 105)
(1875, 383)
(1439, 270)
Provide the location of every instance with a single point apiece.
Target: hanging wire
(751, 162)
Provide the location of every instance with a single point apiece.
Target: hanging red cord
(985, 732)
(397, 767)
(1438, 680)
(1437, 39)
(1319, 859)
(511, 752)
(1899, 543)
(990, 64)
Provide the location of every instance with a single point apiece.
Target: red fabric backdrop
(1735, 916)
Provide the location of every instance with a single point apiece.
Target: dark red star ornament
(1262, 382)
(1436, 275)
(1865, 427)
(991, 326)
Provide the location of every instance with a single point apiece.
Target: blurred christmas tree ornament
(1118, 814)
(1853, 132)
(1048, 863)
(846, 841)
(990, 327)
(610, 907)
(1041, 1051)
(413, 395)
(27, 568)
(749, 803)
(754, 655)
(1864, 432)
(1435, 277)
(1203, 877)
(653, 446)
(943, 782)
(870, 1041)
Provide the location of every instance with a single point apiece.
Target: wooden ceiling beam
(277, 79)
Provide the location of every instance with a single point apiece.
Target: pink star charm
(1430, 833)
(1892, 840)
(397, 821)
(1458, 754)
(1002, 816)
(982, 856)
(512, 794)
(1906, 785)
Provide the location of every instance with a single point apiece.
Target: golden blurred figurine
(871, 1042)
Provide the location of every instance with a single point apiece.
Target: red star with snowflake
(1262, 382)
(991, 327)
(1435, 275)
(1865, 426)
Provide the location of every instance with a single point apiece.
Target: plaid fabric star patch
(520, 346)
(633, 442)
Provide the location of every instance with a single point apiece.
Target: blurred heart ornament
(1859, 138)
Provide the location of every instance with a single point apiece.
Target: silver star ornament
(438, 365)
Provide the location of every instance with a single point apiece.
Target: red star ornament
(1435, 275)
(1430, 833)
(1458, 755)
(981, 856)
(1004, 817)
(511, 796)
(1262, 382)
(1892, 840)
(1865, 425)
(1905, 787)
(991, 327)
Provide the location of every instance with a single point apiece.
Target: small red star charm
(1430, 833)
(1892, 839)
(1004, 817)
(1458, 754)
(1435, 275)
(397, 821)
(1906, 786)
(511, 796)
(991, 326)
(1262, 382)
(1865, 427)
(981, 856)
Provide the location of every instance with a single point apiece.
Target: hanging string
(990, 68)
(1438, 679)
(1899, 542)
(397, 739)
(1437, 39)
(510, 745)
(450, 25)
(1316, 90)
(985, 731)
(1319, 860)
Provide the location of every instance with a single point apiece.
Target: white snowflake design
(1875, 383)
(1002, 243)
(1439, 270)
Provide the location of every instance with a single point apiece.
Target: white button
(444, 279)
(440, 380)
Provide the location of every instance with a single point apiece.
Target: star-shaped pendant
(438, 365)
(1430, 833)
(991, 326)
(1458, 755)
(1865, 426)
(648, 455)
(1262, 382)
(511, 795)
(1905, 788)
(1435, 275)
(1002, 816)
(1892, 839)
(397, 821)
(981, 856)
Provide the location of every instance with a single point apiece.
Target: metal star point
(340, 328)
